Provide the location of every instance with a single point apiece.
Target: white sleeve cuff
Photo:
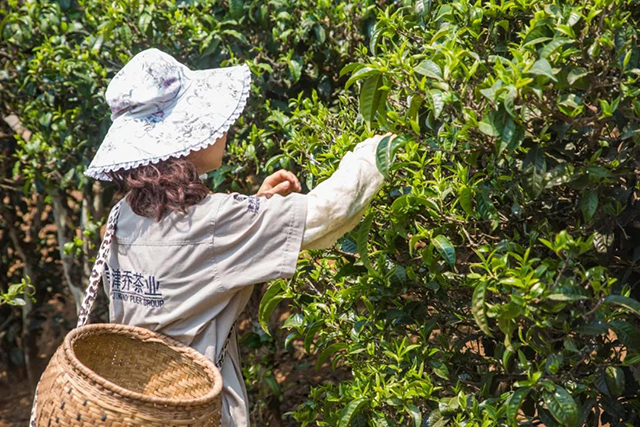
(336, 205)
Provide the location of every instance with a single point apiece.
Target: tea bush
(494, 279)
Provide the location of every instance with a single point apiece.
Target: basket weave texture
(118, 375)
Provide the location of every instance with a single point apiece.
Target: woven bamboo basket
(117, 375)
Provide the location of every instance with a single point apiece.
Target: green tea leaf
(491, 92)
(437, 102)
(17, 301)
(362, 238)
(293, 321)
(562, 406)
(509, 101)
(320, 33)
(568, 293)
(350, 410)
(349, 246)
(375, 34)
(295, 68)
(429, 68)
(445, 248)
(507, 131)
(385, 152)
(239, 36)
(629, 304)
(488, 126)
(554, 363)
(576, 74)
(542, 68)
(416, 415)
(534, 169)
(589, 204)
(362, 73)
(478, 307)
(370, 97)
(627, 334)
(593, 328)
(514, 403)
(349, 68)
(423, 7)
(614, 378)
(554, 45)
(631, 359)
(440, 369)
(268, 303)
(236, 9)
(143, 22)
(466, 196)
(310, 334)
(333, 348)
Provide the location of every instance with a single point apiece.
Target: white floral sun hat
(160, 109)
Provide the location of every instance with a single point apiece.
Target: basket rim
(144, 335)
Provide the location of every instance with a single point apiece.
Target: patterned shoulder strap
(223, 352)
(92, 289)
(99, 266)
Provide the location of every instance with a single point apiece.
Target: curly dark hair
(157, 189)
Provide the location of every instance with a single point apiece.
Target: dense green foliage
(494, 280)
(494, 271)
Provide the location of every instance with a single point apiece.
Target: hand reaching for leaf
(282, 182)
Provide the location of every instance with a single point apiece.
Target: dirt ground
(14, 408)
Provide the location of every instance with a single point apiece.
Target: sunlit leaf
(514, 403)
(370, 97)
(542, 68)
(562, 406)
(445, 248)
(429, 68)
(385, 152)
(627, 303)
(554, 45)
(362, 73)
(347, 414)
(466, 197)
(362, 239)
(437, 102)
(627, 334)
(614, 377)
(331, 349)
(269, 301)
(534, 168)
(478, 307)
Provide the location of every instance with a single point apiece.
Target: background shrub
(494, 279)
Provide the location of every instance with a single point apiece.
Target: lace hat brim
(202, 113)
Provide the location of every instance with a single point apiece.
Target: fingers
(282, 182)
(284, 175)
(283, 188)
(295, 183)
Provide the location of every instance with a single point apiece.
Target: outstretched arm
(336, 205)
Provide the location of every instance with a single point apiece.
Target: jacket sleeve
(256, 239)
(336, 205)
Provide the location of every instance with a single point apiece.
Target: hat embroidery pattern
(161, 109)
(157, 80)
